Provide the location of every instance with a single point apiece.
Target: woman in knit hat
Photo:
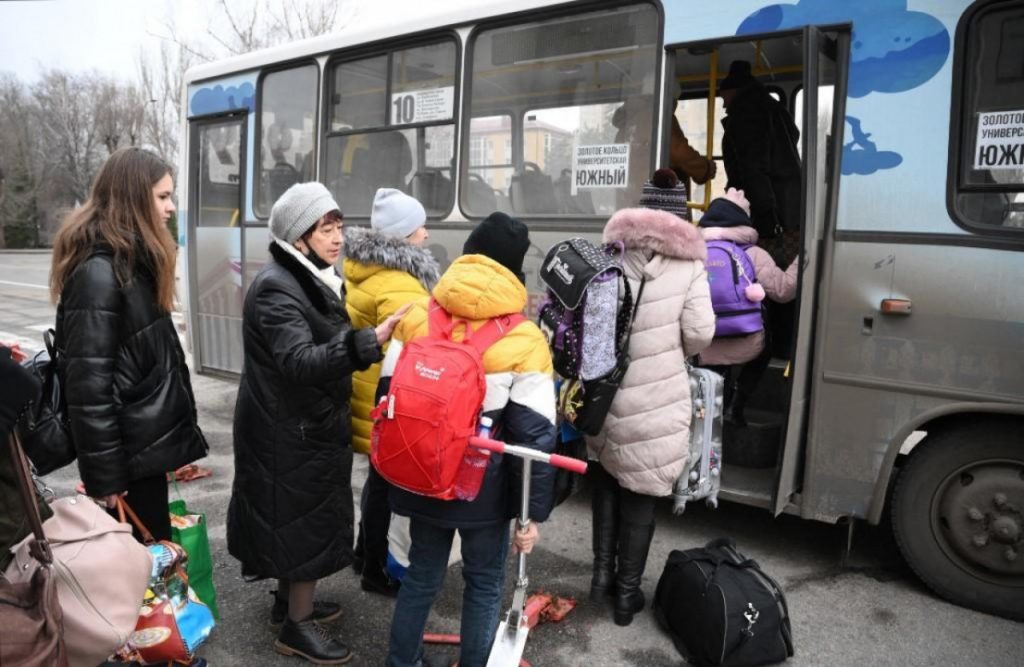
(291, 512)
(642, 447)
(385, 268)
(728, 219)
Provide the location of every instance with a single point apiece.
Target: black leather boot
(634, 545)
(322, 611)
(308, 639)
(376, 579)
(605, 529)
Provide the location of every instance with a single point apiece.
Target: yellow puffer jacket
(382, 274)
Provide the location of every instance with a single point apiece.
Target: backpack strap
(440, 322)
(493, 331)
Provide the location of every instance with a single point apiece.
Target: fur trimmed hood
(371, 248)
(650, 229)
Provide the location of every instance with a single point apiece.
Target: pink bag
(101, 572)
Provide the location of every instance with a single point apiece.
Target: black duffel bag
(721, 609)
(44, 428)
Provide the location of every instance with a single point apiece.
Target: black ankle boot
(308, 639)
(322, 611)
(634, 545)
(376, 579)
(605, 533)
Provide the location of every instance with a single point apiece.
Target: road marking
(41, 328)
(11, 282)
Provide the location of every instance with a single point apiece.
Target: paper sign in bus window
(422, 106)
(1000, 143)
(600, 166)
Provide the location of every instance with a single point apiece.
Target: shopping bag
(173, 623)
(188, 529)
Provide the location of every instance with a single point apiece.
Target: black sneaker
(377, 580)
(323, 612)
(309, 640)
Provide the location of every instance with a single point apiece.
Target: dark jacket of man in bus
(759, 148)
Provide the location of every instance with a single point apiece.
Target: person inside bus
(290, 515)
(385, 268)
(643, 444)
(728, 219)
(759, 148)
(632, 121)
(487, 281)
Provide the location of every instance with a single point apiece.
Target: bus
(901, 390)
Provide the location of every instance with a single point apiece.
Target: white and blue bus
(904, 390)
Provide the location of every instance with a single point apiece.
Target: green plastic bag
(196, 543)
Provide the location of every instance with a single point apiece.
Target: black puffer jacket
(291, 505)
(760, 155)
(129, 396)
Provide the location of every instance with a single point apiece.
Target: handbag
(585, 403)
(45, 428)
(101, 574)
(172, 623)
(188, 530)
(31, 620)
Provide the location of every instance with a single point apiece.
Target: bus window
(490, 163)
(826, 98)
(988, 141)
(392, 125)
(576, 147)
(287, 120)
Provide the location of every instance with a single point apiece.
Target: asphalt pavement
(868, 610)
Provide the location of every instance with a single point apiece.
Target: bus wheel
(958, 516)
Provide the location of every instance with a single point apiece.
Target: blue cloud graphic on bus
(894, 49)
(219, 99)
(861, 156)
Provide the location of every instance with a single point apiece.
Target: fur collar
(744, 235)
(651, 229)
(323, 299)
(369, 247)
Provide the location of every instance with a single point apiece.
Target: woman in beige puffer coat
(643, 445)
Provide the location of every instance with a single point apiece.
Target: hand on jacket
(525, 539)
(387, 327)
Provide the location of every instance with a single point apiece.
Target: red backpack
(422, 427)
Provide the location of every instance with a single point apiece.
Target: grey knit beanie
(298, 209)
(396, 214)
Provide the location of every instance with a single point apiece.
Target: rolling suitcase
(702, 476)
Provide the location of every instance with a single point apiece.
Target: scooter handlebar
(557, 460)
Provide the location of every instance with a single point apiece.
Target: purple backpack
(731, 274)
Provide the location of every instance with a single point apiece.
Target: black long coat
(760, 156)
(128, 391)
(291, 505)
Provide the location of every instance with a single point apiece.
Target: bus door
(820, 107)
(216, 167)
(801, 70)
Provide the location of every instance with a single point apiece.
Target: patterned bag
(173, 623)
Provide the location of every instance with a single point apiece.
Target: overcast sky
(106, 35)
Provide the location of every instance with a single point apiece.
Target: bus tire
(958, 515)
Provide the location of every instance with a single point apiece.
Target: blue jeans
(483, 569)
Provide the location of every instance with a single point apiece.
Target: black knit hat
(502, 238)
(17, 388)
(739, 76)
(665, 192)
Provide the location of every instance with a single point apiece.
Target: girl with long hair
(129, 396)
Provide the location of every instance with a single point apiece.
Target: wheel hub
(980, 515)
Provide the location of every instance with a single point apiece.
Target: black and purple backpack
(580, 314)
(735, 294)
